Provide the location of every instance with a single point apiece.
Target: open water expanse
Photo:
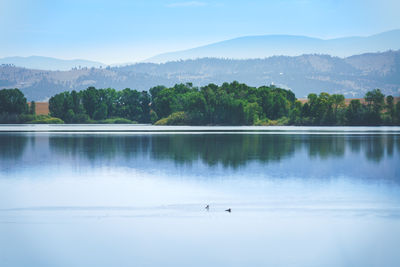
(95, 195)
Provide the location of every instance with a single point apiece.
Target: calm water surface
(135, 196)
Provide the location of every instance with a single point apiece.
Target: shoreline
(145, 128)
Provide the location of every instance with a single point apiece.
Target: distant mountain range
(351, 76)
(49, 63)
(288, 45)
(248, 47)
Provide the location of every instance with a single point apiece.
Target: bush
(40, 119)
(49, 120)
(27, 117)
(283, 121)
(117, 121)
(163, 121)
(153, 116)
(272, 123)
(176, 118)
(263, 122)
(267, 122)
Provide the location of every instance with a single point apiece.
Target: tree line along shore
(184, 104)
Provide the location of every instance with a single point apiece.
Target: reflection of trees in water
(229, 150)
(226, 149)
(390, 140)
(324, 146)
(94, 147)
(375, 146)
(355, 143)
(12, 146)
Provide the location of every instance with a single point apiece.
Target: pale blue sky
(127, 31)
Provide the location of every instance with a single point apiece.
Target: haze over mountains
(49, 63)
(248, 47)
(298, 63)
(287, 45)
(352, 76)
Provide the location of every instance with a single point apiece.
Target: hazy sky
(127, 31)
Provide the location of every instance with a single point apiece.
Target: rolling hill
(352, 76)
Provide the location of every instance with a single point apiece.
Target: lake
(123, 195)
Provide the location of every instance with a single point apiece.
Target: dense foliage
(12, 101)
(15, 109)
(229, 104)
(100, 104)
(239, 104)
(326, 109)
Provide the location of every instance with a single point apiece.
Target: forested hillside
(352, 76)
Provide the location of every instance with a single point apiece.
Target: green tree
(375, 99)
(153, 116)
(130, 106)
(209, 94)
(338, 102)
(195, 107)
(397, 114)
(32, 108)
(69, 117)
(165, 103)
(101, 112)
(324, 110)
(76, 102)
(252, 113)
(375, 102)
(12, 101)
(355, 113)
(109, 97)
(155, 90)
(56, 105)
(91, 101)
(390, 107)
(295, 113)
(145, 103)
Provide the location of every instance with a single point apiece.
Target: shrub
(153, 116)
(27, 117)
(47, 120)
(176, 118)
(283, 121)
(262, 122)
(117, 121)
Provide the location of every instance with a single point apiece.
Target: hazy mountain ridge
(289, 45)
(352, 76)
(49, 63)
